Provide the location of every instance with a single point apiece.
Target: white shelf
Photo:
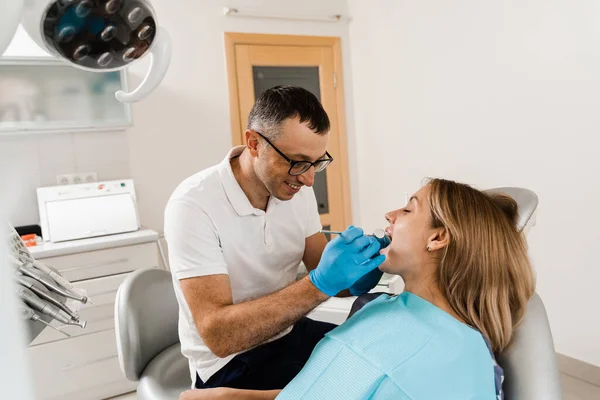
(49, 249)
(43, 94)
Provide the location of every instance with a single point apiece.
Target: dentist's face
(409, 229)
(297, 142)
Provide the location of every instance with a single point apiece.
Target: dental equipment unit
(44, 293)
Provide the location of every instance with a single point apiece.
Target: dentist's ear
(438, 240)
(251, 142)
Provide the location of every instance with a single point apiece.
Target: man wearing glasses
(237, 233)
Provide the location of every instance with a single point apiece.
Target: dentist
(237, 233)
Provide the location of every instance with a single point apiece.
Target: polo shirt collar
(233, 190)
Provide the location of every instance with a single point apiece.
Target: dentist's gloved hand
(345, 260)
(366, 283)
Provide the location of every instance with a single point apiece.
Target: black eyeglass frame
(294, 163)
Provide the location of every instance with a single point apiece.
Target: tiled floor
(573, 389)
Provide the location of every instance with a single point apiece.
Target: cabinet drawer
(102, 291)
(95, 264)
(102, 391)
(76, 364)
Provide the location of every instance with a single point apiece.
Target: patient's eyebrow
(415, 198)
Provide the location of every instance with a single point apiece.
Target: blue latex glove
(370, 280)
(366, 283)
(345, 260)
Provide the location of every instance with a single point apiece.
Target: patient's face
(409, 229)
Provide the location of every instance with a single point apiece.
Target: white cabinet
(78, 368)
(77, 267)
(85, 366)
(44, 95)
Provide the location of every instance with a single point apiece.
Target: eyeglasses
(300, 167)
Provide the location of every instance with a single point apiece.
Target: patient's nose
(390, 217)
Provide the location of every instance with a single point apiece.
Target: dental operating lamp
(93, 35)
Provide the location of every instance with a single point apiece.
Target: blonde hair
(485, 272)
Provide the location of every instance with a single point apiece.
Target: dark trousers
(271, 365)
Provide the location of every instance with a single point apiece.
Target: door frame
(237, 126)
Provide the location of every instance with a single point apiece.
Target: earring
(428, 248)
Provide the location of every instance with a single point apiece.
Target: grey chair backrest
(146, 319)
(527, 201)
(529, 362)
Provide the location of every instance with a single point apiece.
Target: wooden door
(259, 62)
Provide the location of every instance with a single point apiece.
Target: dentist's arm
(228, 328)
(229, 394)
(313, 250)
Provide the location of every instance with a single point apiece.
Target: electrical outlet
(64, 179)
(76, 179)
(90, 177)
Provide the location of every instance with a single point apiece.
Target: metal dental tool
(27, 313)
(379, 234)
(330, 232)
(383, 239)
(52, 273)
(41, 291)
(45, 308)
(49, 283)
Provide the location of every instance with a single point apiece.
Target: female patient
(467, 282)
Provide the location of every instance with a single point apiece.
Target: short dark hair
(279, 103)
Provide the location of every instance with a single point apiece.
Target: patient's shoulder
(385, 331)
(391, 330)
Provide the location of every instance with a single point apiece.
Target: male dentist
(237, 233)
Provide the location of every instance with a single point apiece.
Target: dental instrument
(65, 284)
(45, 308)
(28, 314)
(22, 256)
(48, 282)
(379, 234)
(41, 291)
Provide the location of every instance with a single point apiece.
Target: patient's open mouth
(388, 232)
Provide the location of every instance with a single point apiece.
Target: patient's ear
(439, 239)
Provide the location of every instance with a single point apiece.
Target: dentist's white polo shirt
(211, 228)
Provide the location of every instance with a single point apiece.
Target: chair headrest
(146, 318)
(527, 201)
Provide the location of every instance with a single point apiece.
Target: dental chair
(529, 362)
(146, 314)
(146, 320)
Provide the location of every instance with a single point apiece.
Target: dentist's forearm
(254, 395)
(223, 393)
(241, 326)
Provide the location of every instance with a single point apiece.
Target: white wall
(490, 93)
(181, 128)
(185, 126)
(33, 161)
